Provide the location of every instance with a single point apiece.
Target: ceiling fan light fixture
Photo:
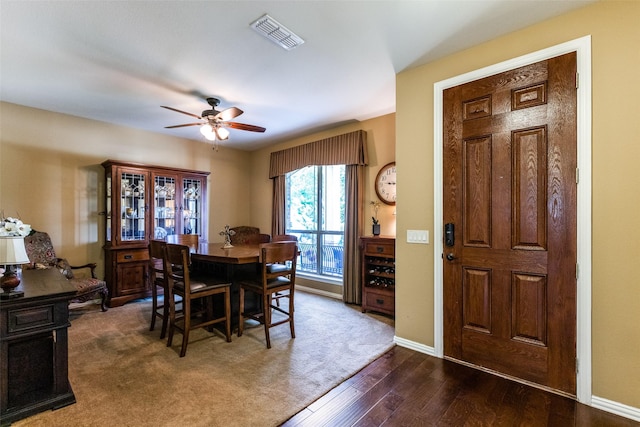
(216, 122)
(222, 133)
(272, 30)
(207, 132)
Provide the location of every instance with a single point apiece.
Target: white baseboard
(414, 346)
(596, 402)
(319, 292)
(616, 408)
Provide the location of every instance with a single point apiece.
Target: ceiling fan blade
(180, 111)
(181, 126)
(229, 113)
(242, 126)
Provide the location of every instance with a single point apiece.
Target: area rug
(122, 374)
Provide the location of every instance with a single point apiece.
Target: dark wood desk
(232, 265)
(33, 346)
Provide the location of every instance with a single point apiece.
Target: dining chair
(279, 267)
(158, 280)
(268, 284)
(284, 238)
(260, 238)
(243, 234)
(191, 240)
(247, 235)
(191, 288)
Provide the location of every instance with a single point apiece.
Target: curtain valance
(347, 149)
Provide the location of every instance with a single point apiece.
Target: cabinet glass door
(192, 204)
(108, 208)
(132, 205)
(164, 207)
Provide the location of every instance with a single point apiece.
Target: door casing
(582, 47)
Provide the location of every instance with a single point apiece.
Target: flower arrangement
(375, 205)
(10, 226)
(227, 233)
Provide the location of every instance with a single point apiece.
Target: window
(315, 211)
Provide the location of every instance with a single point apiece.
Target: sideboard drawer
(382, 302)
(379, 248)
(131, 256)
(21, 320)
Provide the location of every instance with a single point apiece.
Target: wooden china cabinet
(145, 202)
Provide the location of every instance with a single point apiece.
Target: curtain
(349, 149)
(278, 220)
(354, 220)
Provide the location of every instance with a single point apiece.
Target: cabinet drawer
(379, 248)
(383, 302)
(130, 256)
(31, 318)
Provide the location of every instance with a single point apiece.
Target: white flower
(13, 227)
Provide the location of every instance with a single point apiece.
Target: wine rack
(378, 274)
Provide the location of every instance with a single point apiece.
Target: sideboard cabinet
(378, 263)
(33, 346)
(145, 202)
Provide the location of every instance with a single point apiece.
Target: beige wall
(615, 33)
(50, 174)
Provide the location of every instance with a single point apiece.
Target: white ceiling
(118, 61)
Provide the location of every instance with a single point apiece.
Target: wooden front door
(509, 194)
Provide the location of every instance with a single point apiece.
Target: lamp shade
(207, 132)
(222, 133)
(12, 250)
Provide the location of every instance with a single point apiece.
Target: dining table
(233, 265)
(217, 253)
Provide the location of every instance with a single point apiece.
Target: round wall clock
(386, 184)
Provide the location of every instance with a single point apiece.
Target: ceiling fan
(216, 122)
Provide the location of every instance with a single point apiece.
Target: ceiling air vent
(276, 32)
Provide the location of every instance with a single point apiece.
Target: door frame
(582, 47)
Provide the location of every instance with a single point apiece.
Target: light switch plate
(418, 236)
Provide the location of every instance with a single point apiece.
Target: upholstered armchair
(41, 255)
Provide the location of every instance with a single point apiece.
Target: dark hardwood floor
(408, 388)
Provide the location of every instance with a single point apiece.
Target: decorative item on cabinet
(145, 202)
(378, 274)
(375, 229)
(12, 254)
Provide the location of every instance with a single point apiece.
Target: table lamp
(12, 254)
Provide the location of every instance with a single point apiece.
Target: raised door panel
(131, 278)
(477, 169)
